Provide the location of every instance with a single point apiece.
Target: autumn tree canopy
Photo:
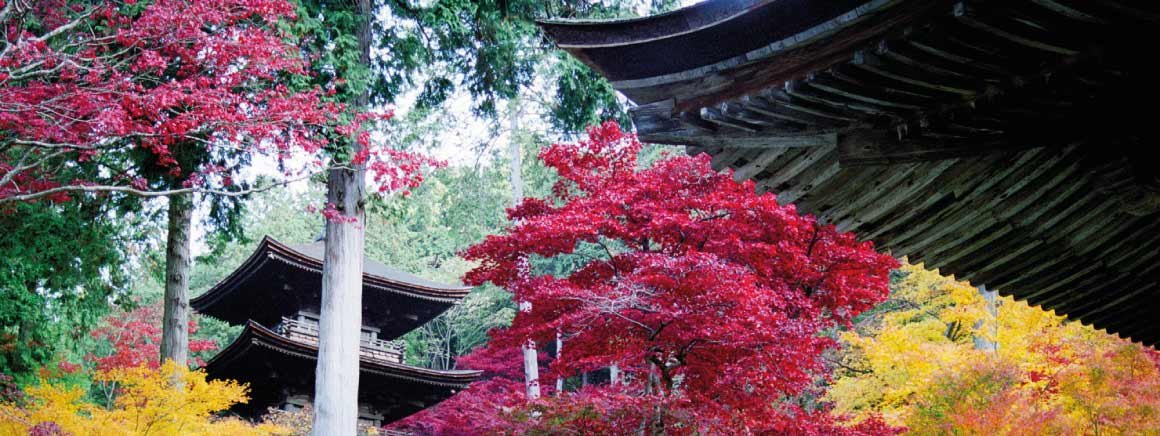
(200, 89)
(913, 362)
(708, 296)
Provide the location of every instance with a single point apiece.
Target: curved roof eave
(256, 335)
(375, 275)
(648, 57)
(570, 32)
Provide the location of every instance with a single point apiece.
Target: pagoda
(275, 294)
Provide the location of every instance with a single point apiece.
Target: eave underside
(997, 141)
(276, 368)
(277, 282)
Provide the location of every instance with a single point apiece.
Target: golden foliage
(147, 403)
(915, 363)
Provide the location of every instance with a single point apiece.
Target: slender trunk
(340, 316)
(531, 357)
(989, 325)
(175, 328)
(652, 385)
(559, 355)
(614, 375)
(531, 370)
(517, 179)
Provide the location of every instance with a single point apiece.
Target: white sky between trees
(465, 139)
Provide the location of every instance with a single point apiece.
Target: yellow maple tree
(915, 362)
(147, 403)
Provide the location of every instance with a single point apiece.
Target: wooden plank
(891, 99)
(875, 64)
(781, 98)
(758, 164)
(716, 117)
(1013, 200)
(804, 91)
(828, 201)
(1012, 32)
(922, 180)
(780, 179)
(953, 186)
(774, 110)
(968, 199)
(815, 175)
(906, 52)
(727, 157)
(738, 110)
(1075, 12)
(868, 147)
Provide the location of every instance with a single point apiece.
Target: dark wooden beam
(875, 147)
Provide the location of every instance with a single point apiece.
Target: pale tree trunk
(614, 375)
(175, 327)
(531, 357)
(517, 179)
(989, 341)
(559, 355)
(531, 370)
(340, 315)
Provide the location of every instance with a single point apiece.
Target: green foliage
(491, 49)
(64, 265)
(583, 97)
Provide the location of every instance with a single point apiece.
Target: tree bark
(175, 328)
(614, 375)
(559, 355)
(531, 370)
(990, 324)
(340, 318)
(340, 315)
(517, 179)
(531, 357)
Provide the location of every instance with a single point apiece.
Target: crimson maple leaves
(709, 297)
(87, 83)
(134, 339)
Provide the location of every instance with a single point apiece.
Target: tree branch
(147, 193)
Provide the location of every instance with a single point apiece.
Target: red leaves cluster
(135, 340)
(93, 78)
(710, 297)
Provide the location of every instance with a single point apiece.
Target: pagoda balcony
(306, 331)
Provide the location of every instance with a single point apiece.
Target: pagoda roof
(278, 280)
(998, 141)
(276, 367)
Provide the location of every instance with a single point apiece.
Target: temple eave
(277, 367)
(278, 280)
(998, 141)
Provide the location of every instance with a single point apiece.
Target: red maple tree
(90, 82)
(134, 339)
(709, 297)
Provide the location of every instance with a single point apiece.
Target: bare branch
(148, 193)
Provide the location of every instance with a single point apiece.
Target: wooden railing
(307, 332)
